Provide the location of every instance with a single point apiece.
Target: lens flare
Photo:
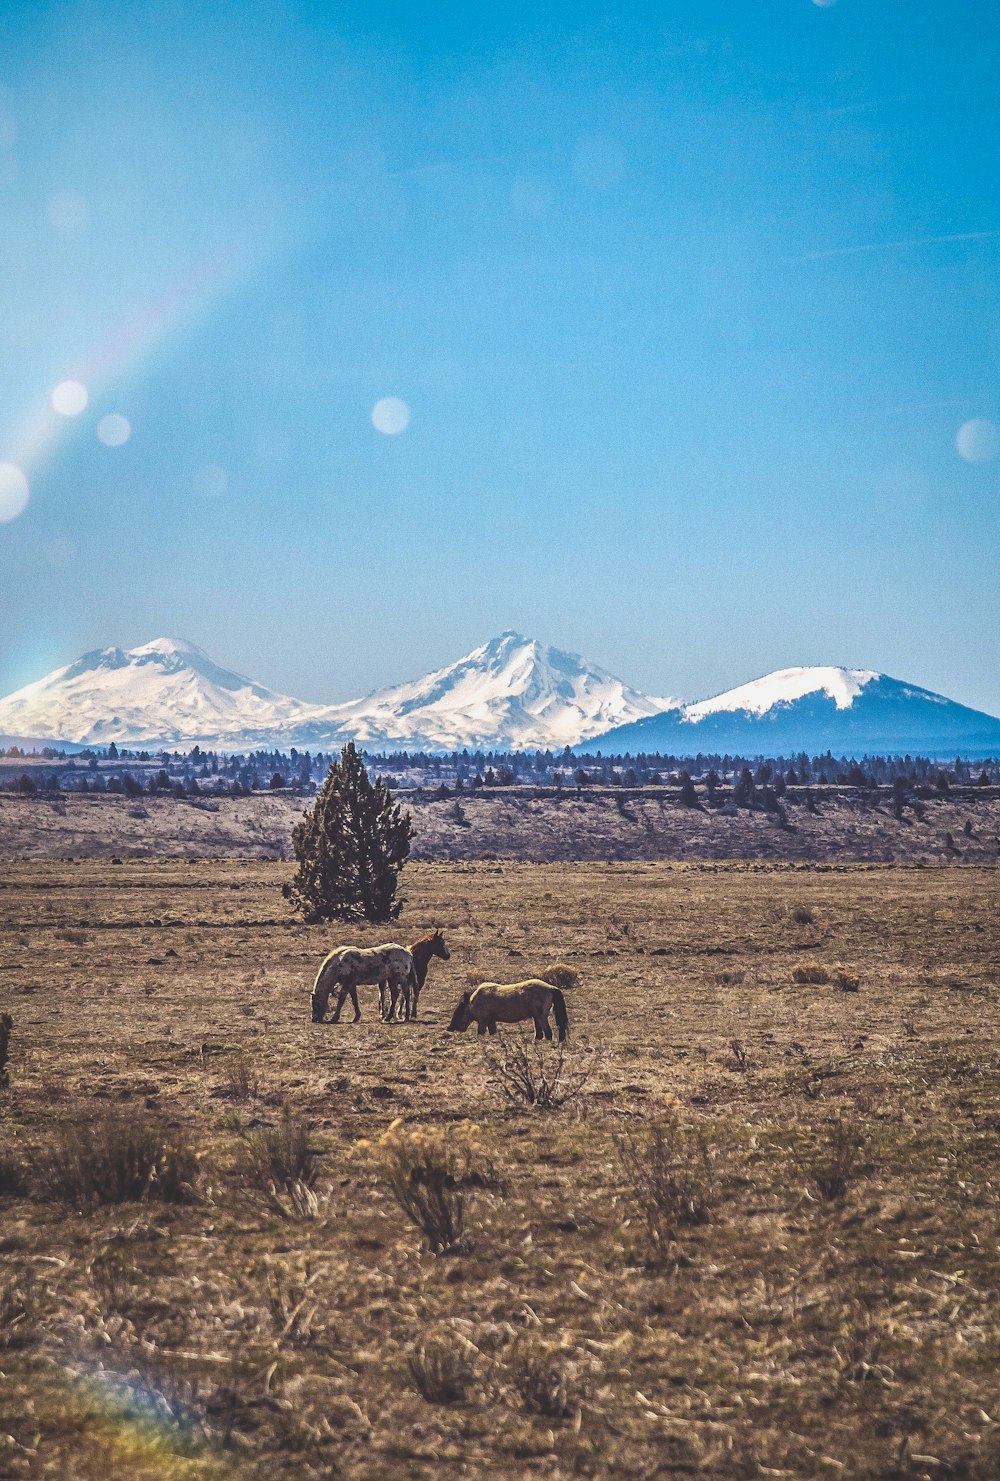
(978, 441)
(14, 492)
(70, 398)
(114, 430)
(390, 416)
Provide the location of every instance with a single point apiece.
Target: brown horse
(494, 1002)
(431, 945)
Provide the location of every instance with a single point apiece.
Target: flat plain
(810, 1289)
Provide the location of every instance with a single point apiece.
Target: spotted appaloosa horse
(347, 967)
(495, 1002)
(399, 969)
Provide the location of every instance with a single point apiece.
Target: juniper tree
(350, 846)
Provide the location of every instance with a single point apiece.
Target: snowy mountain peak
(510, 691)
(785, 686)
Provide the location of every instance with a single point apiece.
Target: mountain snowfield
(512, 693)
(509, 693)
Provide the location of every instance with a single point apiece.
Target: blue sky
(687, 301)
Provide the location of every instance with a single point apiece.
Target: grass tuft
(116, 1159)
(670, 1178)
(441, 1370)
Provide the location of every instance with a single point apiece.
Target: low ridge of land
(537, 825)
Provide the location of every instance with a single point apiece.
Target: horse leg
(341, 995)
(539, 1026)
(492, 1026)
(546, 1025)
(354, 999)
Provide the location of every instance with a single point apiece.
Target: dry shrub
(535, 1073)
(280, 1157)
(803, 916)
(669, 1176)
(115, 1159)
(13, 1178)
(441, 1369)
(813, 972)
(242, 1081)
(834, 1165)
(846, 981)
(547, 1379)
(561, 975)
(17, 1313)
(6, 1025)
(431, 1172)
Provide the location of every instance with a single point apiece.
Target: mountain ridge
(509, 693)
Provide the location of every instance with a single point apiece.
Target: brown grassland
(759, 1237)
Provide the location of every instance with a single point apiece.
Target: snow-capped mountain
(512, 692)
(165, 692)
(848, 711)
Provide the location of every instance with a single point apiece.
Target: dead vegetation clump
(431, 1173)
(441, 1369)
(803, 916)
(116, 1159)
(18, 1312)
(547, 1379)
(834, 1164)
(811, 972)
(670, 1178)
(280, 1157)
(536, 1073)
(561, 975)
(241, 1080)
(6, 1025)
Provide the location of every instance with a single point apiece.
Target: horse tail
(562, 1017)
(456, 1023)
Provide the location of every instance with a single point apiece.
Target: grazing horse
(494, 1002)
(347, 966)
(431, 945)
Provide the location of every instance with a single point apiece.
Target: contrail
(962, 236)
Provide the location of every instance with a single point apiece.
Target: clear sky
(687, 301)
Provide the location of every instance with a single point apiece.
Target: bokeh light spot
(598, 163)
(67, 211)
(114, 430)
(390, 416)
(14, 492)
(210, 480)
(70, 398)
(978, 441)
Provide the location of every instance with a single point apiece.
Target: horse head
(462, 1016)
(439, 946)
(318, 1000)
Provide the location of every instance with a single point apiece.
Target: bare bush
(17, 1313)
(845, 980)
(6, 1025)
(441, 1369)
(115, 1159)
(813, 972)
(431, 1173)
(834, 1164)
(241, 1079)
(547, 1379)
(561, 975)
(536, 1073)
(803, 916)
(669, 1176)
(279, 1157)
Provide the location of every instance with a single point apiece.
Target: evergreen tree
(351, 846)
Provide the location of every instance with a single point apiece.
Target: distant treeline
(198, 772)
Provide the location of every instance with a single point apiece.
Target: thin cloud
(961, 236)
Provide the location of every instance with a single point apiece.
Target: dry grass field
(761, 1237)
